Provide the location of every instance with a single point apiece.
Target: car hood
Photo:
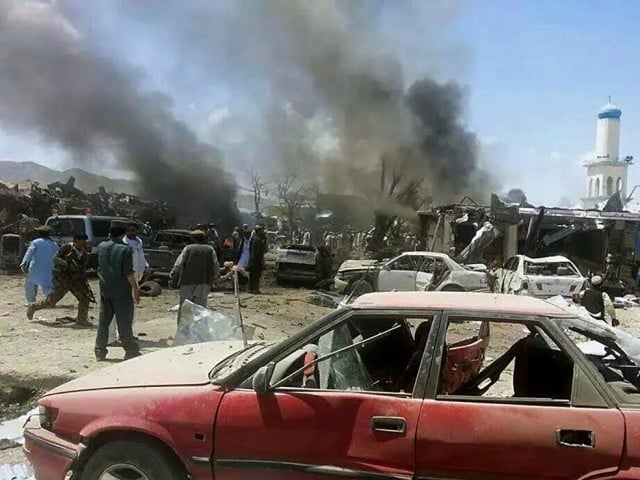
(178, 366)
(357, 265)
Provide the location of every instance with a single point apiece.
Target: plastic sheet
(198, 324)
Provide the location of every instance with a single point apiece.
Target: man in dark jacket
(118, 292)
(256, 258)
(597, 302)
(195, 270)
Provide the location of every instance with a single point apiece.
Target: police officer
(69, 275)
(118, 291)
(597, 302)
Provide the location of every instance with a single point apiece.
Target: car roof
(431, 254)
(95, 217)
(468, 301)
(552, 259)
(175, 230)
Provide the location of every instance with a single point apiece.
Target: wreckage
(64, 198)
(606, 240)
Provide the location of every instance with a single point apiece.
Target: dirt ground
(40, 354)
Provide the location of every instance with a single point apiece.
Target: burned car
(409, 271)
(302, 263)
(540, 277)
(394, 385)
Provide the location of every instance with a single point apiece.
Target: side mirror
(262, 378)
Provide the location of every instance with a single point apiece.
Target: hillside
(11, 171)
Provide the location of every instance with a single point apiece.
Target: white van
(64, 227)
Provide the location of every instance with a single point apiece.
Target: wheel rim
(122, 471)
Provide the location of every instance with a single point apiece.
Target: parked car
(64, 227)
(396, 385)
(302, 263)
(540, 277)
(409, 271)
(163, 251)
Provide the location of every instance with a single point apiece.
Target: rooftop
(610, 111)
(475, 302)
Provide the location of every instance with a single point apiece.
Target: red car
(397, 386)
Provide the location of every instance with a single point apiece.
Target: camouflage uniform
(69, 275)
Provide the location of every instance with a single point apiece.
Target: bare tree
(258, 189)
(398, 190)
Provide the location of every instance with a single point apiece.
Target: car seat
(408, 378)
(541, 372)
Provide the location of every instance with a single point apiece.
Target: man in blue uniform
(118, 291)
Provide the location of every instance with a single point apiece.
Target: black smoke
(54, 85)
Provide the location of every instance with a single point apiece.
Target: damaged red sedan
(394, 386)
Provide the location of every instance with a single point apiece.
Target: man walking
(195, 270)
(256, 258)
(597, 302)
(37, 263)
(69, 275)
(118, 291)
(140, 264)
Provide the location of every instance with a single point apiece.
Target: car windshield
(238, 359)
(615, 354)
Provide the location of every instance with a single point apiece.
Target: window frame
(423, 369)
(546, 325)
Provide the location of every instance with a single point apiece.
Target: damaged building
(603, 241)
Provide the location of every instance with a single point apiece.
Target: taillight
(48, 416)
(572, 288)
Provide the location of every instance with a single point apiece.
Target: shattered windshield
(614, 353)
(560, 269)
(238, 359)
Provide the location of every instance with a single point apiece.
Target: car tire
(358, 287)
(150, 289)
(134, 461)
(452, 288)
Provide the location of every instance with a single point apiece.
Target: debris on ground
(198, 324)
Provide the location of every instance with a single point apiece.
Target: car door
(424, 276)
(546, 418)
(346, 427)
(398, 274)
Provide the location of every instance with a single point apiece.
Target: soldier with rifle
(69, 275)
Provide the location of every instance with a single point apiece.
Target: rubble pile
(64, 198)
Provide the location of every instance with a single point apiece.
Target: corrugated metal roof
(16, 472)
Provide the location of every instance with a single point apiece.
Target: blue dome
(610, 111)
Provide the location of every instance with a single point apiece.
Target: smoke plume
(326, 57)
(54, 84)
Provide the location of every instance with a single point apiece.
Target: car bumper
(340, 285)
(50, 456)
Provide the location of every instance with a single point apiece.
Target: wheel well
(453, 287)
(102, 438)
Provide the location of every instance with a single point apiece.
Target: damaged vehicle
(539, 277)
(395, 385)
(302, 263)
(409, 271)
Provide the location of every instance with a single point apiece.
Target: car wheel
(452, 288)
(358, 287)
(129, 460)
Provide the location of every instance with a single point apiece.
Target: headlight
(47, 416)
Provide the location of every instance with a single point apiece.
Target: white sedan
(408, 272)
(539, 277)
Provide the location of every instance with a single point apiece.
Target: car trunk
(549, 286)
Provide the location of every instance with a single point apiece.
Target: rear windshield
(559, 269)
(66, 227)
(100, 228)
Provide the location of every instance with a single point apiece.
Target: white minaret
(607, 172)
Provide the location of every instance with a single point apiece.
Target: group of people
(58, 270)
(197, 267)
